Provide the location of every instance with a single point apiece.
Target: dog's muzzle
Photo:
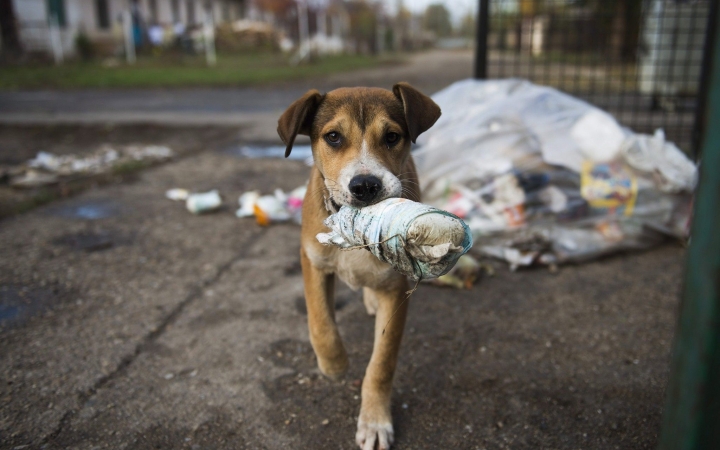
(365, 188)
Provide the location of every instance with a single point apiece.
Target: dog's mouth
(334, 204)
(331, 205)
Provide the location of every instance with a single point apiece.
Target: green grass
(129, 167)
(177, 71)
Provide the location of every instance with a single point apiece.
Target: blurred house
(100, 20)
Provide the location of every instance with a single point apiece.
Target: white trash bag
(541, 176)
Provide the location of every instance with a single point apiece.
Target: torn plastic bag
(418, 240)
(523, 163)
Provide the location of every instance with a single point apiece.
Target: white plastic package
(418, 240)
(203, 202)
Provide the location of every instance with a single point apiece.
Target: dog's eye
(392, 138)
(333, 138)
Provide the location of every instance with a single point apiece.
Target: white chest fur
(357, 268)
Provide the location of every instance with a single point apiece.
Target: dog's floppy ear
(420, 111)
(297, 119)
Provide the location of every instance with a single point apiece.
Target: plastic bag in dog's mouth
(417, 240)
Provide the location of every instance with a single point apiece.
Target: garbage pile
(48, 168)
(542, 177)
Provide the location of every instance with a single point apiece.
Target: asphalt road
(254, 108)
(129, 323)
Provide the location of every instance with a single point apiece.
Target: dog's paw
(368, 434)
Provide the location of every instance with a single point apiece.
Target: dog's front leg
(375, 421)
(324, 337)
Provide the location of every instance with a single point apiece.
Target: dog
(361, 139)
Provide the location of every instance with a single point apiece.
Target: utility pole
(692, 407)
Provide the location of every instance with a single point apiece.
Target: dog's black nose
(365, 187)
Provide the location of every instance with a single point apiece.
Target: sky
(457, 8)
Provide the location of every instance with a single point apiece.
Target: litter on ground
(267, 209)
(542, 177)
(203, 202)
(466, 272)
(48, 168)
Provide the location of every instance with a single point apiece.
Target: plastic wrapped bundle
(418, 240)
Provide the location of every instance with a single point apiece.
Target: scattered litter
(46, 168)
(465, 274)
(203, 202)
(267, 209)
(247, 204)
(177, 194)
(418, 240)
(33, 178)
(542, 177)
(148, 152)
(270, 208)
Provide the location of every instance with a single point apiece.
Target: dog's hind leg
(375, 421)
(324, 337)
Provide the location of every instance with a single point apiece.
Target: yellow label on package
(611, 186)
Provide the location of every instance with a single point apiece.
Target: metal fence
(641, 60)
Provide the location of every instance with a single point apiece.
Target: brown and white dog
(361, 140)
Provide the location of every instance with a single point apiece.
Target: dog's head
(360, 138)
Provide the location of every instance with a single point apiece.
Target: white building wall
(32, 17)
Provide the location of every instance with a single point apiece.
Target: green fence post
(692, 409)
